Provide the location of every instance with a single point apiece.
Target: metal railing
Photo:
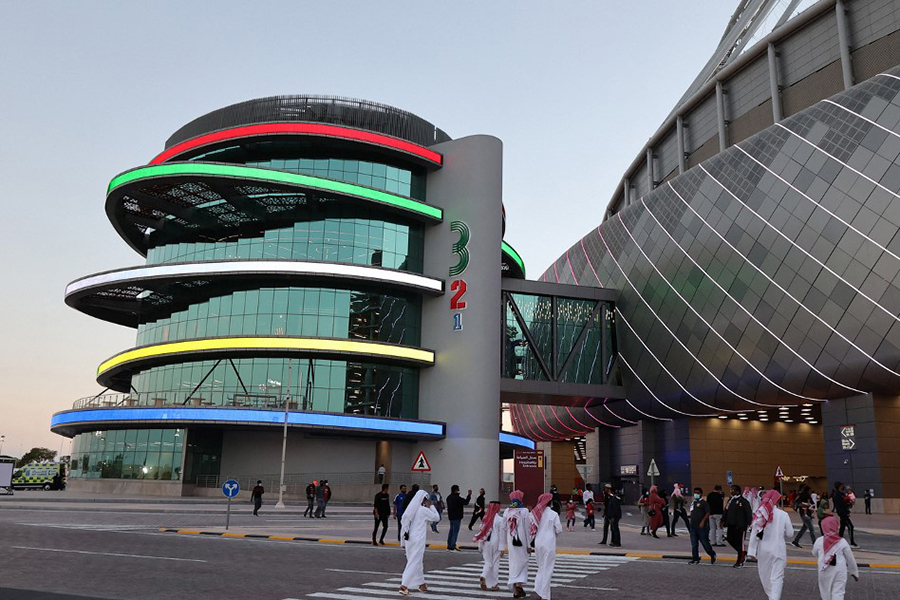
(106, 401)
(295, 483)
(236, 399)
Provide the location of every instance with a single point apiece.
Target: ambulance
(45, 475)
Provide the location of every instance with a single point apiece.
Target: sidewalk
(877, 535)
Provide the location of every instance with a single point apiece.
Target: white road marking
(471, 578)
(581, 587)
(452, 588)
(366, 572)
(503, 574)
(108, 554)
(461, 581)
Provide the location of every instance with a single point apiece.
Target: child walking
(570, 514)
(589, 509)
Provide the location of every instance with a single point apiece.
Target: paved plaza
(71, 535)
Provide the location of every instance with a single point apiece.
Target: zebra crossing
(453, 583)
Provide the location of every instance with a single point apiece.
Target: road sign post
(230, 489)
(779, 474)
(653, 471)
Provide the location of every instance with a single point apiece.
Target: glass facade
(573, 347)
(308, 312)
(340, 234)
(128, 454)
(378, 175)
(315, 385)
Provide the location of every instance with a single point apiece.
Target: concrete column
(777, 114)
(593, 455)
(844, 43)
(720, 116)
(860, 467)
(547, 447)
(679, 138)
(463, 388)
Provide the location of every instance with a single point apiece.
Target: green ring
(513, 255)
(240, 171)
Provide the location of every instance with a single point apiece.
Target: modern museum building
(332, 272)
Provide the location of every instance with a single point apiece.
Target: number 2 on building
(459, 286)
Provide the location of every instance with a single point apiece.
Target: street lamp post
(2, 439)
(287, 397)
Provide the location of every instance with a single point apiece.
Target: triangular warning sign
(421, 463)
(778, 472)
(653, 471)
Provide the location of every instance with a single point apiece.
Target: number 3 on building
(456, 301)
(459, 248)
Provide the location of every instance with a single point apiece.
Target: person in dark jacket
(612, 516)
(256, 497)
(716, 501)
(320, 500)
(556, 503)
(665, 514)
(455, 512)
(607, 490)
(478, 513)
(842, 510)
(310, 500)
(738, 516)
(381, 510)
(698, 527)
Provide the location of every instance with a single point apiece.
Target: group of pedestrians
(767, 528)
(318, 494)
(518, 532)
(455, 506)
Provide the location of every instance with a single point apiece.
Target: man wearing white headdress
(492, 544)
(413, 526)
(768, 543)
(518, 544)
(834, 559)
(545, 527)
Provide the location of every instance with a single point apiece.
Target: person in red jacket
(589, 509)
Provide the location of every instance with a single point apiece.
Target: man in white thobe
(518, 544)
(545, 526)
(492, 543)
(768, 543)
(834, 558)
(412, 537)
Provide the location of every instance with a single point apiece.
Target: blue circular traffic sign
(231, 488)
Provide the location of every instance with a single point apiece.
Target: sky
(87, 90)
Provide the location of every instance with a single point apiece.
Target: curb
(641, 555)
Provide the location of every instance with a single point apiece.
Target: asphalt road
(56, 555)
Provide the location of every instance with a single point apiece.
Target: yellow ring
(271, 343)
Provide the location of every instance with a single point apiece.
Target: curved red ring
(336, 131)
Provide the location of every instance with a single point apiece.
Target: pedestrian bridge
(558, 344)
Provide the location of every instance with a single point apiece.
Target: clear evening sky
(90, 89)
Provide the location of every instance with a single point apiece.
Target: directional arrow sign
(231, 488)
(653, 470)
(848, 437)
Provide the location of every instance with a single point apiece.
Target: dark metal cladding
(336, 110)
